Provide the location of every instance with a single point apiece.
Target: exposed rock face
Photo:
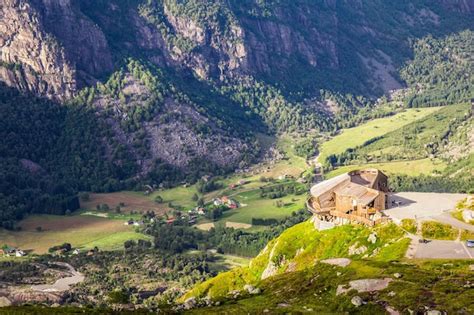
(55, 47)
(32, 59)
(49, 48)
(271, 268)
(341, 262)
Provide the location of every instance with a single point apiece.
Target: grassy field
(409, 142)
(136, 201)
(256, 207)
(81, 231)
(353, 137)
(415, 167)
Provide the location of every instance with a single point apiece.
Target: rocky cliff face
(49, 48)
(32, 59)
(56, 47)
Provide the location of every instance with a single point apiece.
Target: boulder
(397, 275)
(357, 250)
(190, 303)
(357, 301)
(433, 312)
(251, 289)
(4, 301)
(341, 262)
(372, 238)
(364, 285)
(391, 311)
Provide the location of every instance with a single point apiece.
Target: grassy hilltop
(300, 282)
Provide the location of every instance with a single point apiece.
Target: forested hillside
(441, 71)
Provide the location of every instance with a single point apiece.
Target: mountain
(103, 95)
(55, 48)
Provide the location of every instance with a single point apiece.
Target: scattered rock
(338, 273)
(364, 285)
(4, 301)
(433, 312)
(397, 275)
(391, 310)
(189, 303)
(291, 267)
(471, 267)
(357, 301)
(357, 250)
(266, 310)
(299, 251)
(269, 271)
(251, 289)
(392, 293)
(235, 293)
(282, 305)
(372, 238)
(271, 268)
(341, 262)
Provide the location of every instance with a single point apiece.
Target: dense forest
(179, 237)
(441, 71)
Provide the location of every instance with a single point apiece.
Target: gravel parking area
(415, 205)
(444, 250)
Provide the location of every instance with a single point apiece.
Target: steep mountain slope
(160, 91)
(441, 70)
(304, 270)
(54, 48)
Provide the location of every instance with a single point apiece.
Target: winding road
(62, 284)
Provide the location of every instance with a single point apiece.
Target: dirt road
(62, 284)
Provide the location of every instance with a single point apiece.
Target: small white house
(19, 253)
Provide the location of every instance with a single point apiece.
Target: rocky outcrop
(364, 285)
(31, 58)
(19, 296)
(341, 262)
(49, 48)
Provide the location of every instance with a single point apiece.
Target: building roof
(362, 194)
(356, 184)
(322, 187)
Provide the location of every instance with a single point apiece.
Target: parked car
(470, 243)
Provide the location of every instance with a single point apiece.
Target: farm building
(355, 196)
